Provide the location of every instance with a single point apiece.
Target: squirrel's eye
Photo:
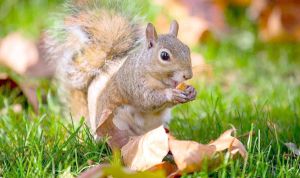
(164, 56)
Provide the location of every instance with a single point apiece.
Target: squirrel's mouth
(174, 83)
(171, 83)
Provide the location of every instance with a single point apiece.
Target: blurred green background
(248, 79)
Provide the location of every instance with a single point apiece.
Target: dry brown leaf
(189, 156)
(5, 80)
(225, 3)
(196, 18)
(226, 141)
(41, 69)
(28, 90)
(169, 168)
(278, 20)
(18, 53)
(208, 11)
(117, 171)
(22, 56)
(256, 8)
(94, 172)
(117, 138)
(146, 151)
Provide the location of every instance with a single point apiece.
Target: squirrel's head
(169, 59)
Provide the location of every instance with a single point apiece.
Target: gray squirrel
(107, 61)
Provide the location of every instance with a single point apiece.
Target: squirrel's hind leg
(78, 104)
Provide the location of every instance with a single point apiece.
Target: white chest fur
(137, 123)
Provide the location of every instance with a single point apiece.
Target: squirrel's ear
(174, 28)
(151, 35)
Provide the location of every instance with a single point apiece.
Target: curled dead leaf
(23, 56)
(18, 53)
(278, 20)
(170, 169)
(28, 90)
(146, 151)
(198, 19)
(226, 141)
(94, 172)
(117, 138)
(189, 156)
(117, 171)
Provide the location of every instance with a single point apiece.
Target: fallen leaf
(94, 172)
(176, 174)
(197, 19)
(256, 8)
(117, 171)
(293, 147)
(146, 151)
(5, 80)
(225, 3)
(41, 69)
(278, 20)
(18, 53)
(167, 167)
(189, 156)
(23, 56)
(226, 141)
(28, 90)
(117, 138)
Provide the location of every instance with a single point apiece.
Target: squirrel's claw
(179, 96)
(191, 92)
(185, 96)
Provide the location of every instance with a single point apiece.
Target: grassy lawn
(255, 87)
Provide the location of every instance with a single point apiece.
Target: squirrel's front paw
(190, 92)
(177, 96)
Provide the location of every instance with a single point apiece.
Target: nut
(182, 86)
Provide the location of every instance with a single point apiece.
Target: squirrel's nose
(188, 75)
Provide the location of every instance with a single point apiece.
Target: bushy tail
(90, 33)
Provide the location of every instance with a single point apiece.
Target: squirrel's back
(89, 36)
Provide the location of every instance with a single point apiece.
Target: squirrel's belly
(137, 123)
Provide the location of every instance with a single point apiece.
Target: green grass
(251, 93)
(26, 16)
(255, 87)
